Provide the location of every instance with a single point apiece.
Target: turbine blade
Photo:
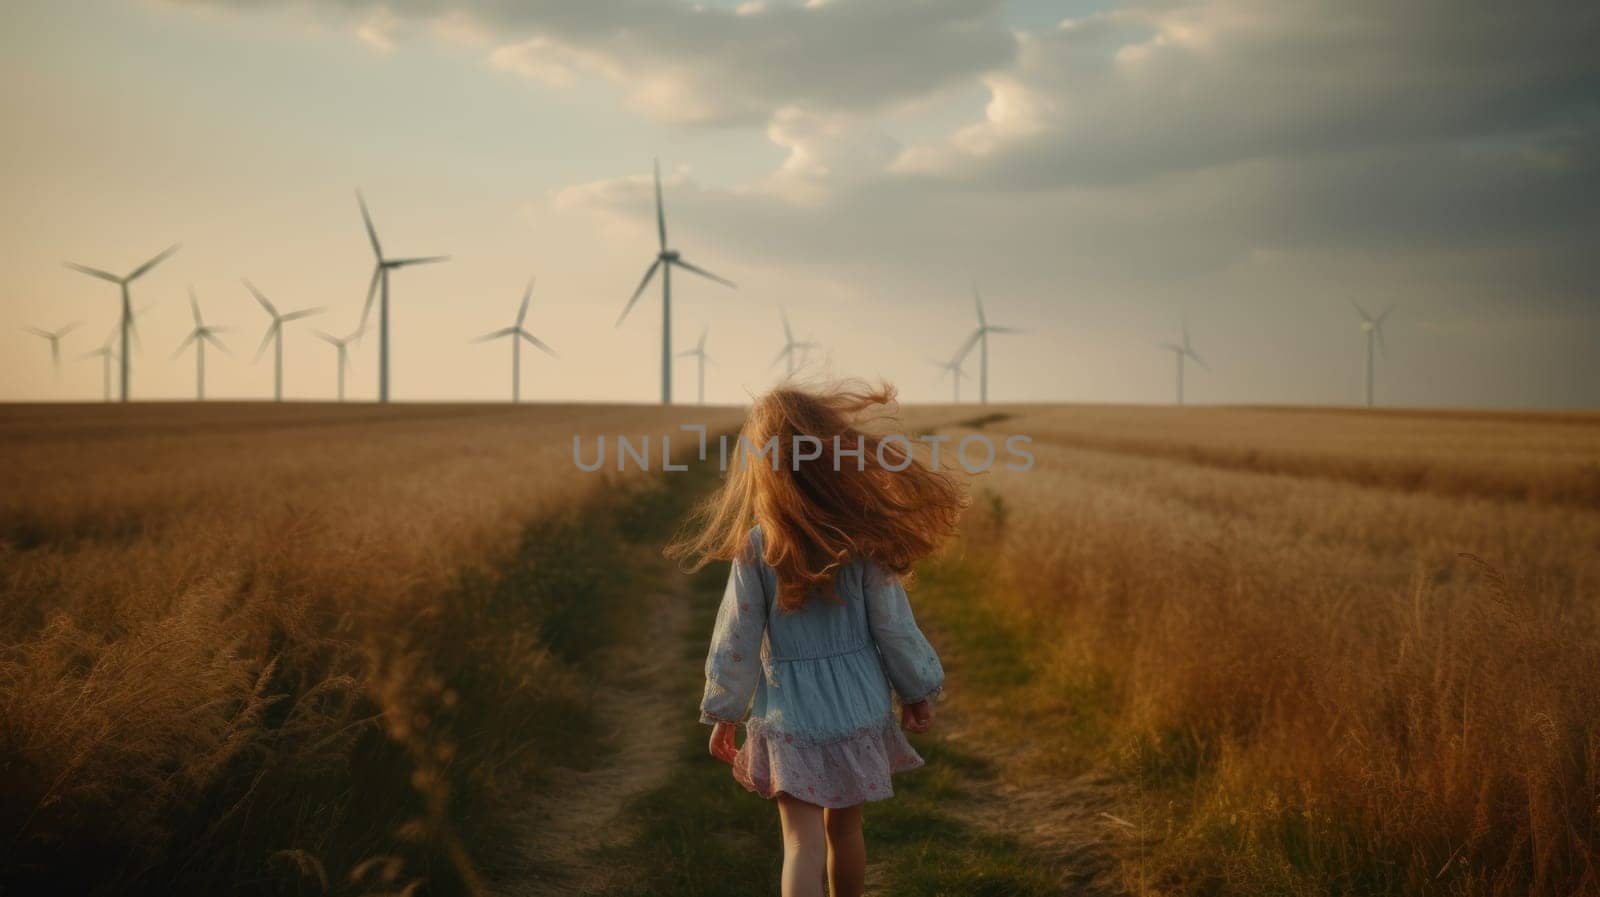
(161, 257)
(661, 212)
(1361, 311)
(185, 344)
(133, 330)
(266, 340)
(372, 232)
(538, 343)
(527, 296)
(502, 332)
(37, 332)
(68, 329)
(972, 341)
(372, 296)
(93, 272)
(686, 353)
(327, 337)
(421, 260)
(704, 329)
(265, 302)
(788, 332)
(996, 328)
(781, 353)
(706, 274)
(194, 306)
(212, 339)
(303, 313)
(977, 300)
(1386, 312)
(649, 273)
(1197, 359)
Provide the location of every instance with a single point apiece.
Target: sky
(1102, 171)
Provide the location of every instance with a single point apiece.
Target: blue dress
(813, 685)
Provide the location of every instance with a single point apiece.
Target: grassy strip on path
(702, 835)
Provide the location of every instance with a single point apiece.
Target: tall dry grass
(289, 649)
(1340, 653)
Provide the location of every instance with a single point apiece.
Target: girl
(814, 628)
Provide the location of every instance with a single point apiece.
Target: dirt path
(566, 827)
(1005, 824)
(1071, 824)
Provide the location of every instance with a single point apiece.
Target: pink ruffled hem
(841, 773)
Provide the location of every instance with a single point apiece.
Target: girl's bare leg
(847, 852)
(805, 847)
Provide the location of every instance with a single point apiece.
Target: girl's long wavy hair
(815, 518)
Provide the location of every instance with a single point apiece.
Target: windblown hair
(814, 518)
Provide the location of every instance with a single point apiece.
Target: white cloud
(379, 30)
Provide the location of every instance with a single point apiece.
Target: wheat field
(233, 635)
(325, 650)
(1334, 651)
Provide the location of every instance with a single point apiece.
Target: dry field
(1330, 651)
(323, 650)
(293, 648)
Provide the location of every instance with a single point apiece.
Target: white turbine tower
(54, 336)
(954, 371)
(342, 345)
(517, 333)
(980, 338)
(199, 336)
(699, 353)
(1180, 352)
(790, 344)
(380, 276)
(107, 353)
(126, 324)
(274, 335)
(665, 260)
(1372, 327)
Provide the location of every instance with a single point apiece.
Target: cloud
(379, 30)
(1151, 150)
(1151, 88)
(695, 65)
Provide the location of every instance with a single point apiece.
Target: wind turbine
(199, 336)
(274, 335)
(699, 352)
(380, 274)
(1180, 353)
(790, 344)
(127, 307)
(54, 336)
(665, 259)
(980, 338)
(1373, 328)
(342, 344)
(518, 333)
(954, 371)
(106, 353)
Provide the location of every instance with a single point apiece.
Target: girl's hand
(917, 717)
(722, 746)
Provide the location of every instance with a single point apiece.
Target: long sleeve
(733, 665)
(913, 666)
